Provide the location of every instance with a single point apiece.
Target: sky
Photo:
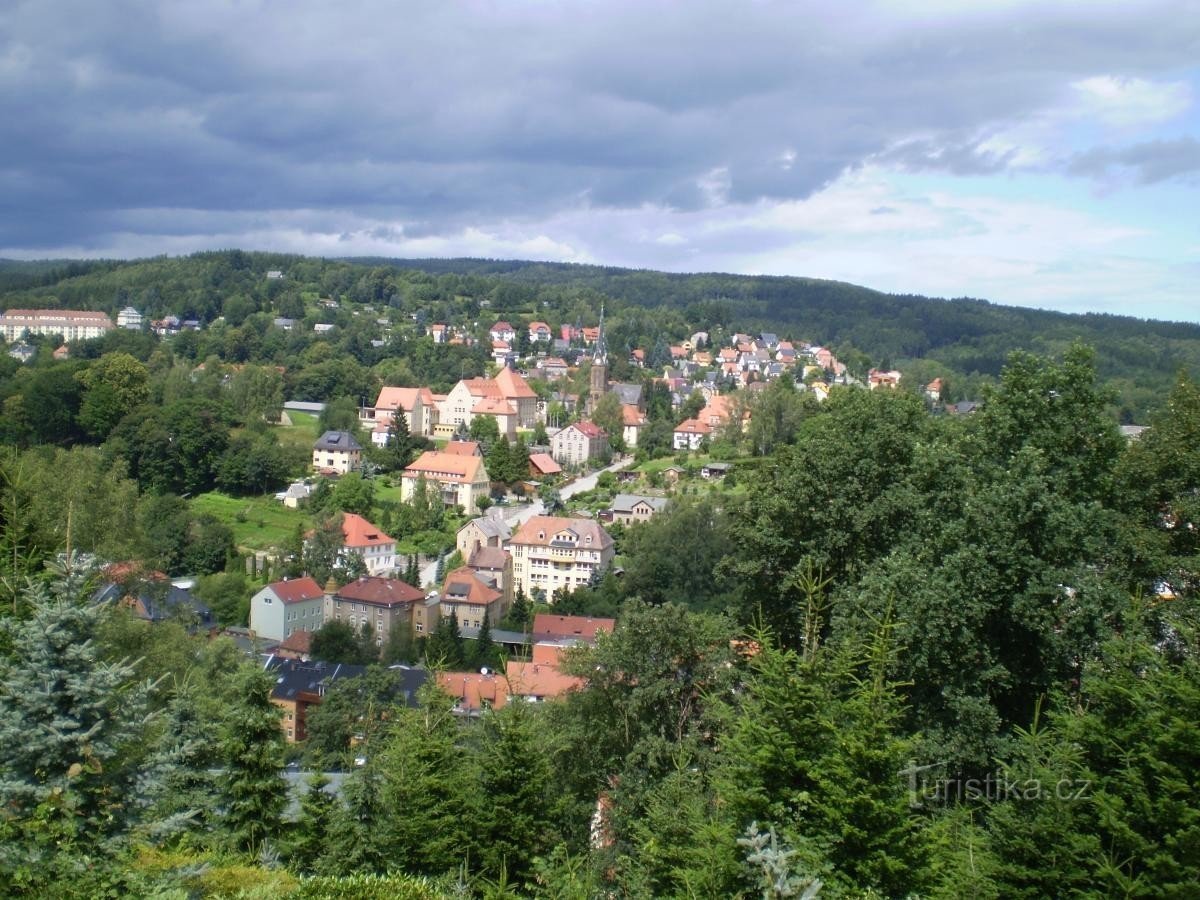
(1034, 153)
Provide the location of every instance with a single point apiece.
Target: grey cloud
(1148, 162)
(443, 114)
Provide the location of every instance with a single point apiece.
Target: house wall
(266, 615)
(341, 461)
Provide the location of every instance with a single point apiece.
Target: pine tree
(252, 789)
(485, 653)
(445, 646)
(440, 573)
(310, 833)
(181, 787)
(72, 733)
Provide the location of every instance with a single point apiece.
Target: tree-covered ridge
(964, 338)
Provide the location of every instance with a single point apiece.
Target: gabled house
(552, 552)
(690, 434)
(415, 404)
(633, 420)
(548, 627)
(539, 332)
(459, 480)
(579, 443)
(299, 686)
(516, 390)
(484, 531)
(336, 452)
(285, 607)
(493, 566)
(502, 331)
(368, 541)
(470, 597)
(632, 509)
(151, 597)
(382, 605)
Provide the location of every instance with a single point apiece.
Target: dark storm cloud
(447, 114)
(1148, 162)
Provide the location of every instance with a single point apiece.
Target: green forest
(897, 653)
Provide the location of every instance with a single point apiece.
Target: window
(420, 627)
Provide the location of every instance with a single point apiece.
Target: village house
(579, 443)
(552, 552)
(468, 597)
(130, 318)
(336, 452)
(360, 537)
(632, 509)
(415, 404)
(299, 686)
(284, 607)
(383, 605)
(459, 480)
(879, 378)
(536, 680)
(690, 434)
(484, 531)
(569, 630)
(539, 332)
(633, 421)
(493, 566)
(502, 331)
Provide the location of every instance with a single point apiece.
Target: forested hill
(967, 334)
(924, 337)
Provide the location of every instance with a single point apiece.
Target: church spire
(600, 354)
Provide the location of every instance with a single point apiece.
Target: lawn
(258, 523)
(301, 433)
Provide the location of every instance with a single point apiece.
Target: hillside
(964, 339)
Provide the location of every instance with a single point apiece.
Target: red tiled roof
(512, 386)
(589, 429)
(358, 532)
(692, 426)
(462, 448)
(461, 586)
(296, 642)
(380, 591)
(540, 530)
(295, 590)
(544, 463)
(445, 467)
(549, 626)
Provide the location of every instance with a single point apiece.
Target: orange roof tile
(358, 532)
(445, 466)
(512, 386)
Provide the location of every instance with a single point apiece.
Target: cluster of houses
(533, 674)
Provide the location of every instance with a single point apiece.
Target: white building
(551, 552)
(73, 325)
(130, 318)
(285, 607)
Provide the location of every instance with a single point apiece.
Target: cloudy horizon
(1039, 154)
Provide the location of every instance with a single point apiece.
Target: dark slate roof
(337, 440)
(158, 602)
(293, 677)
(629, 394)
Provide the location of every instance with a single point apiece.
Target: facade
(415, 404)
(485, 531)
(299, 686)
(460, 480)
(632, 509)
(376, 548)
(284, 608)
(384, 605)
(469, 597)
(578, 444)
(73, 325)
(516, 390)
(337, 451)
(633, 420)
(130, 318)
(690, 433)
(551, 552)
(493, 565)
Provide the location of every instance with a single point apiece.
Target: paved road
(518, 515)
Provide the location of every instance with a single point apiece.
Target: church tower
(598, 385)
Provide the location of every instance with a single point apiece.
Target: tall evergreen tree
(73, 732)
(252, 789)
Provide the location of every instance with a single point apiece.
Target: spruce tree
(72, 733)
(485, 652)
(252, 789)
(310, 833)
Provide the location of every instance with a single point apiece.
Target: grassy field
(258, 523)
(301, 433)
